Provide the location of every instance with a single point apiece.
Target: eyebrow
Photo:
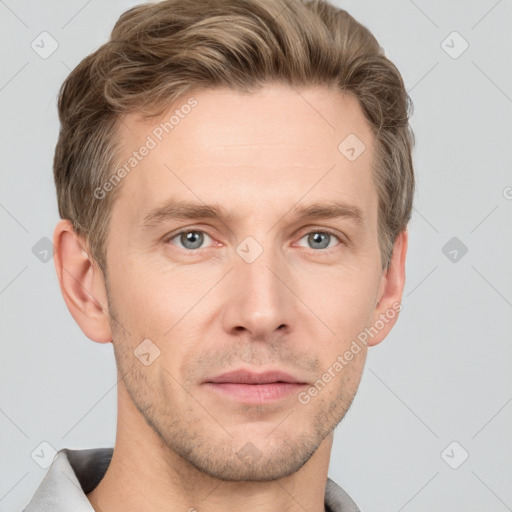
(180, 210)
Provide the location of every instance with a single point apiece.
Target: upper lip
(248, 377)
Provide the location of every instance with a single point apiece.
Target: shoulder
(337, 500)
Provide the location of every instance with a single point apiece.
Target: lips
(248, 387)
(246, 377)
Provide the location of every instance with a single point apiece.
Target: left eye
(320, 239)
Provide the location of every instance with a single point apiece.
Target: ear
(82, 283)
(390, 292)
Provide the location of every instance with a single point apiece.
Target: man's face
(261, 289)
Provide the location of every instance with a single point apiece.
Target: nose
(259, 300)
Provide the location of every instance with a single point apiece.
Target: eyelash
(323, 231)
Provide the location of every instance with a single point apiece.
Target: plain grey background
(436, 391)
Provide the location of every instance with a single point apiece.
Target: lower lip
(255, 393)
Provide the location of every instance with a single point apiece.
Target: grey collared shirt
(75, 473)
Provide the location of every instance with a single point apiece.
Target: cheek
(343, 299)
(139, 299)
(161, 303)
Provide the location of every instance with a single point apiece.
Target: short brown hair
(157, 52)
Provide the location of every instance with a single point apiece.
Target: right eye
(190, 239)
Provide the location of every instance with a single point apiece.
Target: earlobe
(82, 283)
(390, 292)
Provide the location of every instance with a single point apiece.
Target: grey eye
(190, 239)
(320, 239)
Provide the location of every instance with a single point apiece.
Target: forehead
(264, 151)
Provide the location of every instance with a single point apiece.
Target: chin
(252, 464)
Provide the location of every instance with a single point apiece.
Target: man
(235, 182)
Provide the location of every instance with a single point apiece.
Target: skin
(297, 307)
